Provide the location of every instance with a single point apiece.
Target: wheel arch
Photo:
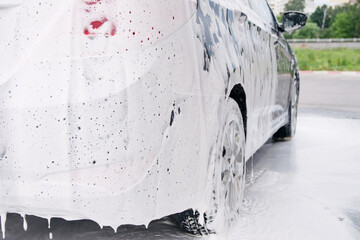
(238, 94)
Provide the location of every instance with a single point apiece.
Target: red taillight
(85, 28)
(127, 25)
(95, 20)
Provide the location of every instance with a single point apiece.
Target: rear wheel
(289, 130)
(227, 177)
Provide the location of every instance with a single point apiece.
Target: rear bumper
(126, 170)
(134, 189)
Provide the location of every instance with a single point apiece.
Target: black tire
(288, 131)
(188, 221)
(227, 179)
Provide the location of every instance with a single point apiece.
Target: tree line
(327, 22)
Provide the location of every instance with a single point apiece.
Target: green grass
(338, 59)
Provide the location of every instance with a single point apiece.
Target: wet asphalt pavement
(307, 188)
(332, 92)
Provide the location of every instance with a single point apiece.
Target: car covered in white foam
(125, 111)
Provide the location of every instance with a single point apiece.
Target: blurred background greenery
(338, 59)
(327, 22)
(341, 21)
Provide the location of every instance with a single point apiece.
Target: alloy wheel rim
(232, 166)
